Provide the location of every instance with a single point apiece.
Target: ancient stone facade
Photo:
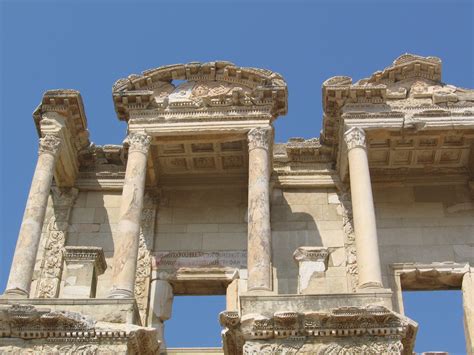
(312, 241)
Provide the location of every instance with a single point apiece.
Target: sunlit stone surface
(312, 241)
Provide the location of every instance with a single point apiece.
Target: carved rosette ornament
(49, 144)
(260, 138)
(355, 138)
(138, 142)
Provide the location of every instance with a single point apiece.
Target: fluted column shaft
(127, 240)
(29, 237)
(259, 230)
(368, 260)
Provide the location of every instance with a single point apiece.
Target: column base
(120, 293)
(15, 293)
(373, 284)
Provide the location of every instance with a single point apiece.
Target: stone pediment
(410, 88)
(410, 83)
(201, 91)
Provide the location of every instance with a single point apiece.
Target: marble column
(468, 306)
(24, 259)
(368, 260)
(127, 240)
(259, 248)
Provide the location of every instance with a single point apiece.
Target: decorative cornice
(63, 327)
(311, 254)
(331, 325)
(68, 103)
(89, 254)
(138, 142)
(409, 66)
(355, 138)
(49, 144)
(220, 85)
(260, 138)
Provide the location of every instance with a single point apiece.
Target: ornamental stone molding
(49, 144)
(315, 254)
(345, 328)
(86, 254)
(51, 267)
(355, 138)
(260, 138)
(47, 330)
(138, 142)
(210, 91)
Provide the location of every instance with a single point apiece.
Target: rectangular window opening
(439, 315)
(194, 323)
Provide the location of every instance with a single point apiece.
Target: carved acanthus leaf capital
(49, 144)
(260, 138)
(138, 142)
(355, 137)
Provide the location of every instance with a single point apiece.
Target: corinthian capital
(49, 144)
(138, 142)
(355, 137)
(260, 138)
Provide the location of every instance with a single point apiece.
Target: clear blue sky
(87, 45)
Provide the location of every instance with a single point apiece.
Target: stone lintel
(439, 275)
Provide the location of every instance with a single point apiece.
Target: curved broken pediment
(197, 91)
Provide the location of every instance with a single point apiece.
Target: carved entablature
(410, 118)
(61, 114)
(209, 91)
(408, 94)
(106, 162)
(27, 329)
(304, 162)
(329, 327)
(67, 103)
